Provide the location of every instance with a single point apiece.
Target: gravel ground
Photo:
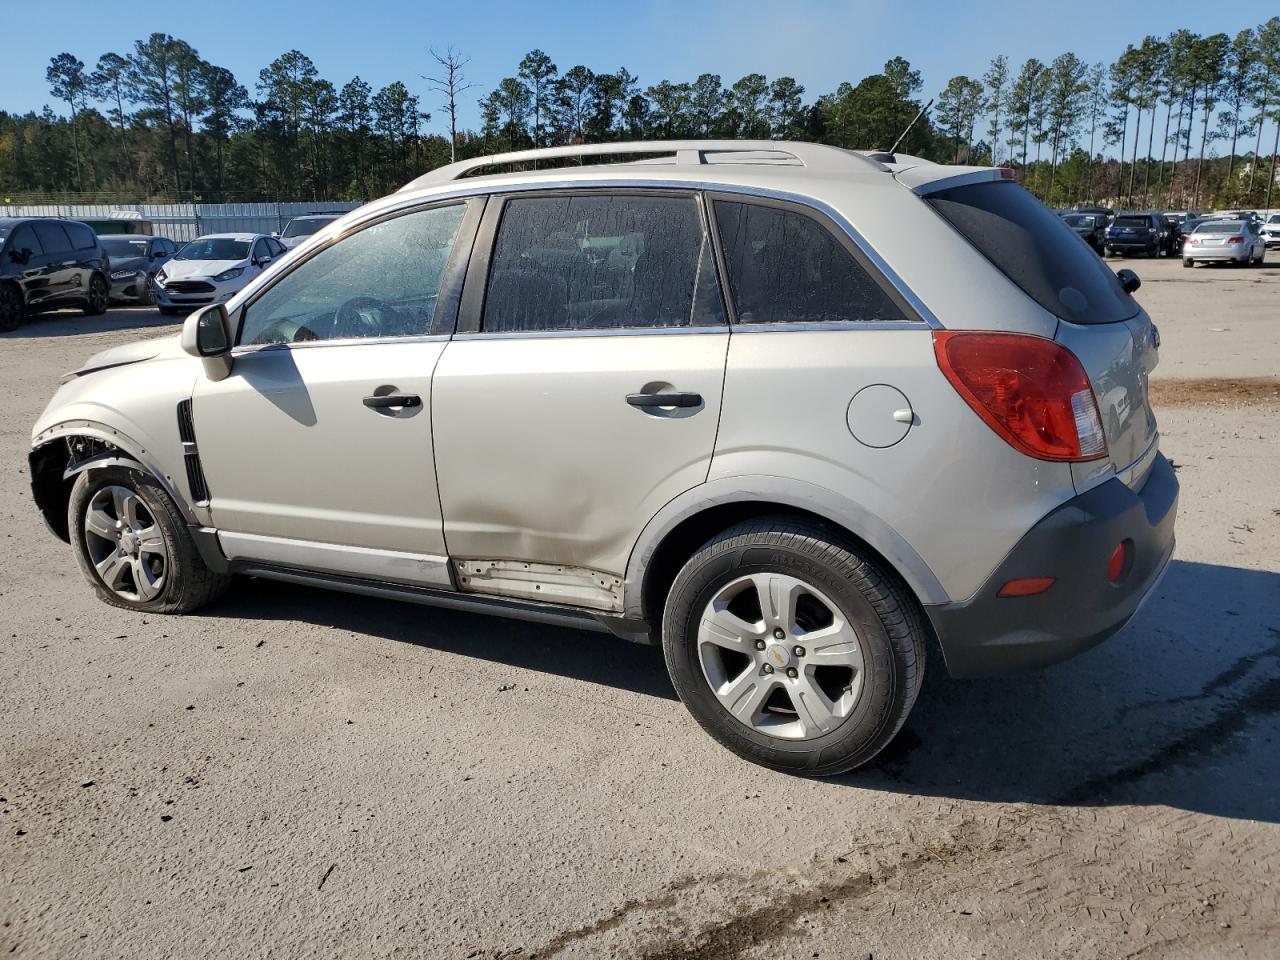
(295, 773)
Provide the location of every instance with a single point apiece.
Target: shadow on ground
(1181, 708)
(74, 323)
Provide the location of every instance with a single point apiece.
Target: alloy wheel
(780, 656)
(125, 544)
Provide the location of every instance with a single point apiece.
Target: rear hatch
(1098, 321)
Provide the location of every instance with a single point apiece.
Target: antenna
(915, 120)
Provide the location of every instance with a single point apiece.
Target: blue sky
(818, 42)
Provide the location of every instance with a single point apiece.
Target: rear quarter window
(1031, 246)
(786, 267)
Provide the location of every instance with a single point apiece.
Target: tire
(1108, 252)
(858, 711)
(147, 296)
(179, 583)
(98, 297)
(13, 307)
(1188, 263)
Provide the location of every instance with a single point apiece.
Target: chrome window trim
(834, 325)
(492, 189)
(591, 332)
(251, 348)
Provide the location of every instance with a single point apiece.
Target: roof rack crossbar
(686, 152)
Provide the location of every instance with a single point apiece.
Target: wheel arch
(66, 450)
(689, 521)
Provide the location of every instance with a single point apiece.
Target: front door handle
(664, 399)
(393, 400)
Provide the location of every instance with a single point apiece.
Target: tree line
(160, 121)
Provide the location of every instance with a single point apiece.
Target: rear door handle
(664, 399)
(393, 400)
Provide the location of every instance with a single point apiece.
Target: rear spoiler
(925, 176)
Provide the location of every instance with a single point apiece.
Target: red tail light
(1235, 240)
(1031, 391)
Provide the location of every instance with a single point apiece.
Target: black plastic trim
(989, 634)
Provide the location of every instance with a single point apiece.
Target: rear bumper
(988, 634)
(1130, 244)
(1223, 254)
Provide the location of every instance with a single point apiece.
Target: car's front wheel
(98, 297)
(133, 545)
(792, 648)
(13, 309)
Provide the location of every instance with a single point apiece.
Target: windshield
(305, 226)
(121, 247)
(1132, 223)
(214, 248)
(1221, 226)
(1274, 218)
(1036, 250)
(1078, 220)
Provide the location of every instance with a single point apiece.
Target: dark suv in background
(1138, 233)
(46, 264)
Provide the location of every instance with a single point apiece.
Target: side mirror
(206, 334)
(1128, 280)
(157, 254)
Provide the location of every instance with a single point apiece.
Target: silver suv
(790, 411)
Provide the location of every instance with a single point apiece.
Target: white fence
(185, 221)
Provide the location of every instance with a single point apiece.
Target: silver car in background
(793, 413)
(299, 228)
(1238, 242)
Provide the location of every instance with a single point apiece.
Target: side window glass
(52, 237)
(786, 267)
(277, 248)
(82, 237)
(24, 238)
(381, 281)
(600, 262)
(260, 251)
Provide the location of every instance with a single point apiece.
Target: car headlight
(162, 278)
(124, 274)
(230, 274)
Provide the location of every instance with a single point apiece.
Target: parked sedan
(1091, 227)
(1225, 241)
(1137, 233)
(135, 260)
(211, 269)
(46, 264)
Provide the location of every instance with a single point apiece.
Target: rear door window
(81, 236)
(786, 267)
(1036, 250)
(601, 262)
(52, 237)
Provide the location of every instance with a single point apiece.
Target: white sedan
(212, 268)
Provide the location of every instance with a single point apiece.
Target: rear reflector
(1119, 562)
(1031, 391)
(1026, 587)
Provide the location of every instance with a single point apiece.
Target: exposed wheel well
(50, 487)
(51, 491)
(690, 534)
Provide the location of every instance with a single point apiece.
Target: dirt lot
(295, 773)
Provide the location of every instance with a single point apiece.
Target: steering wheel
(364, 317)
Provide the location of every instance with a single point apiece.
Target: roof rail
(687, 152)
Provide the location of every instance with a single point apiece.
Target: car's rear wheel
(98, 297)
(13, 309)
(1188, 262)
(792, 648)
(133, 545)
